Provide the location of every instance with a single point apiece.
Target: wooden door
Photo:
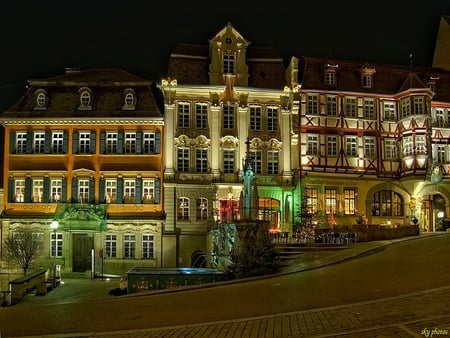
(82, 246)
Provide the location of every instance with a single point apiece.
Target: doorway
(82, 246)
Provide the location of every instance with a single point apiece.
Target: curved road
(397, 269)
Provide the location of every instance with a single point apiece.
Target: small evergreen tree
(22, 249)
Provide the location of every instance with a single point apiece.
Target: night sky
(41, 38)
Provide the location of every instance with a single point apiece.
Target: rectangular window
(148, 191)
(228, 63)
(367, 81)
(228, 161)
(272, 119)
(350, 107)
(312, 104)
(201, 160)
(83, 191)
(130, 143)
(369, 147)
(56, 190)
(419, 105)
(183, 208)
(183, 115)
(183, 160)
(38, 190)
(350, 146)
(349, 201)
(332, 145)
(56, 246)
(110, 191)
(21, 143)
(330, 201)
(369, 109)
(201, 115)
(39, 142)
(148, 246)
(255, 118)
(256, 156)
(406, 107)
(421, 144)
(129, 191)
(313, 145)
(330, 78)
(110, 245)
(19, 191)
(439, 119)
(129, 245)
(228, 117)
(57, 142)
(441, 153)
(312, 200)
(84, 142)
(111, 142)
(390, 113)
(272, 162)
(148, 143)
(390, 149)
(331, 106)
(202, 209)
(407, 145)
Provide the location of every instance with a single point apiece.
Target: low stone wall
(22, 285)
(376, 232)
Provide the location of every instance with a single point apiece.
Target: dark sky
(42, 38)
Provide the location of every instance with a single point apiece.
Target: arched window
(387, 203)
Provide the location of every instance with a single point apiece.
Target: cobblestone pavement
(422, 314)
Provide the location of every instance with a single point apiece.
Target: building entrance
(82, 246)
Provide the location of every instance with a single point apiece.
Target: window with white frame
(255, 118)
(369, 108)
(41, 100)
(129, 99)
(272, 119)
(183, 115)
(440, 150)
(405, 107)
(390, 113)
(421, 144)
(272, 162)
(148, 246)
(183, 208)
(228, 63)
(201, 115)
(110, 245)
(202, 209)
(312, 145)
(312, 104)
(228, 117)
(256, 157)
(350, 107)
(19, 191)
(439, 119)
(21, 142)
(111, 142)
(407, 145)
(148, 190)
(85, 99)
(56, 244)
(183, 159)
(351, 146)
(129, 190)
(228, 161)
(56, 190)
(369, 147)
(419, 105)
(331, 105)
(130, 143)
(349, 201)
(83, 191)
(332, 145)
(149, 142)
(38, 190)
(84, 142)
(129, 245)
(330, 201)
(201, 160)
(39, 142)
(390, 149)
(57, 142)
(367, 81)
(312, 200)
(110, 190)
(330, 77)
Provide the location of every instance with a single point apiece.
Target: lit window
(330, 201)
(148, 191)
(56, 190)
(38, 190)
(110, 191)
(129, 189)
(349, 201)
(312, 200)
(183, 208)
(19, 191)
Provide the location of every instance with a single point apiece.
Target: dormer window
(330, 74)
(41, 99)
(431, 82)
(367, 76)
(129, 100)
(85, 99)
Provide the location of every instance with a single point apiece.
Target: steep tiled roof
(107, 87)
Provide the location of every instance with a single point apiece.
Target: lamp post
(54, 226)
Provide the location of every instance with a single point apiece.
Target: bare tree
(22, 249)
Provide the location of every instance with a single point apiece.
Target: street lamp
(54, 226)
